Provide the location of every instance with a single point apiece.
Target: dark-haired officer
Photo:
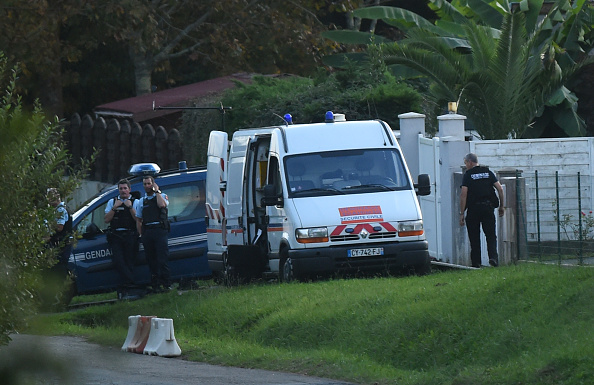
(122, 236)
(153, 225)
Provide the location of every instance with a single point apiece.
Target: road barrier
(161, 341)
(141, 334)
(152, 336)
(132, 325)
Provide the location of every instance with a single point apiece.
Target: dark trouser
(481, 214)
(61, 268)
(156, 251)
(124, 247)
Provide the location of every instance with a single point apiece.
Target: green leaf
(569, 121)
(394, 16)
(488, 15)
(354, 37)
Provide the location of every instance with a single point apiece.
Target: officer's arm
(109, 215)
(109, 211)
(139, 225)
(161, 202)
(500, 193)
(463, 195)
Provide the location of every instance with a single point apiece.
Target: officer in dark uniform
(153, 225)
(122, 236)
(62, 231)
(478, 197)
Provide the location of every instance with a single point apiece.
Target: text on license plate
(366, 252)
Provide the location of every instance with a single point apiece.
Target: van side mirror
(423, 187)
(271, 198)
(91, 231)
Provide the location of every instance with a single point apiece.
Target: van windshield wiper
(317, 190)
(374, 185)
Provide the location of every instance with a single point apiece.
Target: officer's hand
(128, 203)
(501, 211)
(462, 220)
(155, 187)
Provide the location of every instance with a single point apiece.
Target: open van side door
(216, 186)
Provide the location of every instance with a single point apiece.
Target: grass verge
(528, 324)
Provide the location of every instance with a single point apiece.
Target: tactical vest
(151, 212)
(480, 186)
(59, 236)
(122, 218)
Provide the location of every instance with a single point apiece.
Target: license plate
(366, 252)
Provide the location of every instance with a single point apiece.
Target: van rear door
(216, 174)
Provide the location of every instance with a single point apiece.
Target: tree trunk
(143, 68)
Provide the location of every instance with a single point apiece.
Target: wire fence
(555, 212)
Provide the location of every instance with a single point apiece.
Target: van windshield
(345, 172)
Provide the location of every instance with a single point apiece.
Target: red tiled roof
(140, 108)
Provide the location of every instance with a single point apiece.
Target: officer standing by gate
(478, 197)
(153, 225)
(122, 236)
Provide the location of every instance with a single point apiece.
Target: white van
(301, 200)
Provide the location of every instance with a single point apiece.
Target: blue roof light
(288, 119)
(144, 169)
(329, 117)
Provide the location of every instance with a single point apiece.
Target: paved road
(93, 364)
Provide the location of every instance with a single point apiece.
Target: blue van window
(186, 202)
(96, 216)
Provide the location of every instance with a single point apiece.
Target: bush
(32, 158)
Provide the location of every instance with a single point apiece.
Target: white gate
(429, 164)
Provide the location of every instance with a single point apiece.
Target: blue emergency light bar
(144, 169)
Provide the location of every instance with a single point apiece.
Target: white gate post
(411, 126)
(453, 148)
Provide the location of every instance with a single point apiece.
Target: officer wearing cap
(153, 226)
(62, 229)
(122, 236)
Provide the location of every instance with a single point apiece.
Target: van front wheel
(285, 271)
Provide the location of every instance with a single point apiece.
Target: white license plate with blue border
(371, 251)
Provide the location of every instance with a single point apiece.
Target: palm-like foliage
(504, 68)
(500, 85)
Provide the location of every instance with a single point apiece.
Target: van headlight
(312, 235)
(410, 228)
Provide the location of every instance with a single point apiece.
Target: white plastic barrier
(161, 340)
(140, 338)
(132, 325)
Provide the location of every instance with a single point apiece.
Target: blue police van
(90, 263)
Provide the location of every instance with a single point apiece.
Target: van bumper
(397, 255)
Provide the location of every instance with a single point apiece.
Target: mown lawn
(524, 324)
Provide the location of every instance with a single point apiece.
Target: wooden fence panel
(125, 152)
(120, 143)
(113, 150)
(99, 134)
(161, 147)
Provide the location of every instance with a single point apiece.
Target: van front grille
(355, 237)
